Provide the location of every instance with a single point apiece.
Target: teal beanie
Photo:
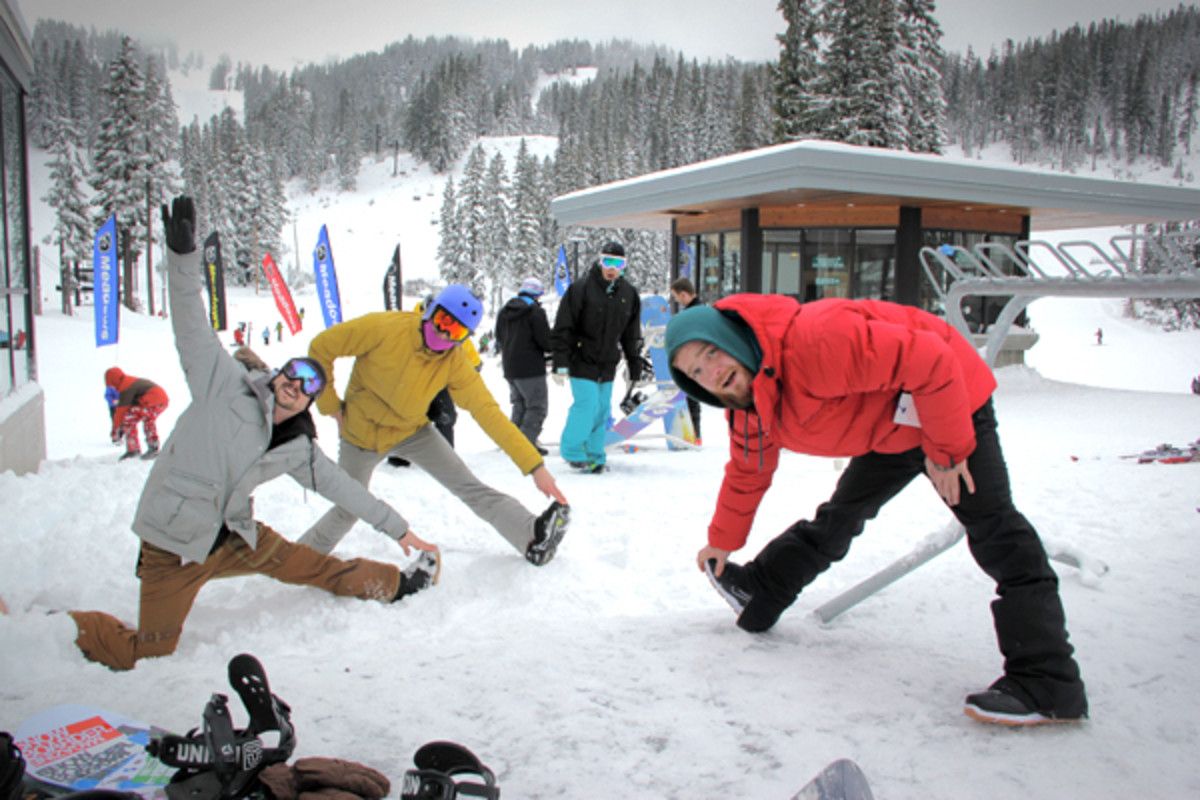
(707, 324)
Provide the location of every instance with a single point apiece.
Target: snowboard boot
(420, 574)
(150, 453)
(1006, 703)
(731, 585)
(130, 454)
(548, 531)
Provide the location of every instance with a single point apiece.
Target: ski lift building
(814, 219)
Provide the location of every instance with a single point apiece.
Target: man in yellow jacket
(402, 359)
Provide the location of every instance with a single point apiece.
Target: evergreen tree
(860, 80)
(122, 158)
(452, 264)
(798, 109)
(471, 220)
(920, 58)
(528, 246)
(497, 257)
(73, 229)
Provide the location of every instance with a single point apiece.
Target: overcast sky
(281, 33)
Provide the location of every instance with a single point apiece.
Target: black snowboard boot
(1006, 703)
(731, 585)
(419, 575)
(548, 531)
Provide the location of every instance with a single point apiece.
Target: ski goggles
(445, 322)
(434, 778)
(308, 372)
(612, 262)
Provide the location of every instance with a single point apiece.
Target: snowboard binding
(437, 763)
(218, 762)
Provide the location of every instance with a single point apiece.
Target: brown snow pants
(169, 587)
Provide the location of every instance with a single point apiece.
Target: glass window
(827, 259)
(687, 257)
(16, 363)
(731, 262)
(709, 283)
(781, 262)
(875, 264)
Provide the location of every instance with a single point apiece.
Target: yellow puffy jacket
(394, 378)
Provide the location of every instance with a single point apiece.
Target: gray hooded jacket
(217, 453)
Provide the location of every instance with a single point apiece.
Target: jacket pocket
(184, 505)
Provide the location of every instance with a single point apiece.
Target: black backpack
(12, 768)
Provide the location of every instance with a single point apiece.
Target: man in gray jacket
(243, 428)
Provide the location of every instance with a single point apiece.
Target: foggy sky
(283, 33)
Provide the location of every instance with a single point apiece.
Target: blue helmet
(461, 302)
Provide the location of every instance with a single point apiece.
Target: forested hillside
(863, 71)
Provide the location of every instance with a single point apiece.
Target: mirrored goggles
(612, 262)
(308, 372)
(445, 322)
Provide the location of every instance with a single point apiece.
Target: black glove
(180, 224)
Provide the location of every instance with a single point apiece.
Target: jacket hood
(113, 376)
(725, 329)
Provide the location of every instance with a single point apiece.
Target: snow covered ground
(616, 671)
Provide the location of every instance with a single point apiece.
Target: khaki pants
(169, 588)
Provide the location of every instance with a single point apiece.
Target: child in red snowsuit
(130, 401)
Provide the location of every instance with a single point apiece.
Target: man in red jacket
(901, 393)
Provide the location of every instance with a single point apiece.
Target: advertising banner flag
(392, 284)
(562, 277)
(283, 298)
(214, 281)
(327, 288)
(105, 282)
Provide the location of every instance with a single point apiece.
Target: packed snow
(616, 671)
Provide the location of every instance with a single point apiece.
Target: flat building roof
(819, 174)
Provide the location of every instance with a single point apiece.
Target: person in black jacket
(598, 318)
(523, 338)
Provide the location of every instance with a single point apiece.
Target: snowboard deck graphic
(70, 748)
(668, 402)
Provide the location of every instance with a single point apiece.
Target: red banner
(283, 298)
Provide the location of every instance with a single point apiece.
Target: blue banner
(105, 282)
(327, 287)
(562, 277)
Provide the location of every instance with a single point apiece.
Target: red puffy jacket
(831, 376)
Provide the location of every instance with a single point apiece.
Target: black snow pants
(1028, 613)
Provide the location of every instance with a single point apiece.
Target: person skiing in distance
(402, 360)
(245, 426)
(130, 401)
(901, 393)
(598, 317)
(523, 338)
